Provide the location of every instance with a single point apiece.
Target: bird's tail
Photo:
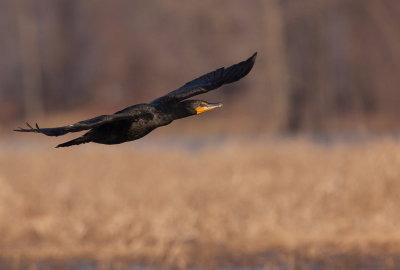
(79, 140)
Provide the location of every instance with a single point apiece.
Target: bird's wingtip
(20, 129)
(251, 60)
(253, 57)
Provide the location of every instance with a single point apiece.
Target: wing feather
(208, 82)
(79, 126)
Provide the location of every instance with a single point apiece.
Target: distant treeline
(332, 64)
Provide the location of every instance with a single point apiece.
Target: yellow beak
(208, 107)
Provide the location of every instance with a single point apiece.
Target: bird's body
(129, 129)
(137, 121)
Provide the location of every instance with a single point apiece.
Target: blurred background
(226, 188)
(322, 65)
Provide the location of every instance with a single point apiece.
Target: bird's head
(200, 106)
(193, 107)
(203, 106)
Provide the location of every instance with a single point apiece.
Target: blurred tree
(276, 69)
(29, 55)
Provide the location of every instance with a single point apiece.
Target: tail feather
(76, 141)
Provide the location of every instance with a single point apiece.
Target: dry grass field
(210, 205)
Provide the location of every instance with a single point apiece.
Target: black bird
(138, 120)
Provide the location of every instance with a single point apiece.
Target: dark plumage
(137, 121)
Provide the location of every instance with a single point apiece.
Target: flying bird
(137, 121)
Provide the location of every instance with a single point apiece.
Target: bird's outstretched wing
(208, 82)
(79, 126)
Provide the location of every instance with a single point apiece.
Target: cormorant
(138, 120)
